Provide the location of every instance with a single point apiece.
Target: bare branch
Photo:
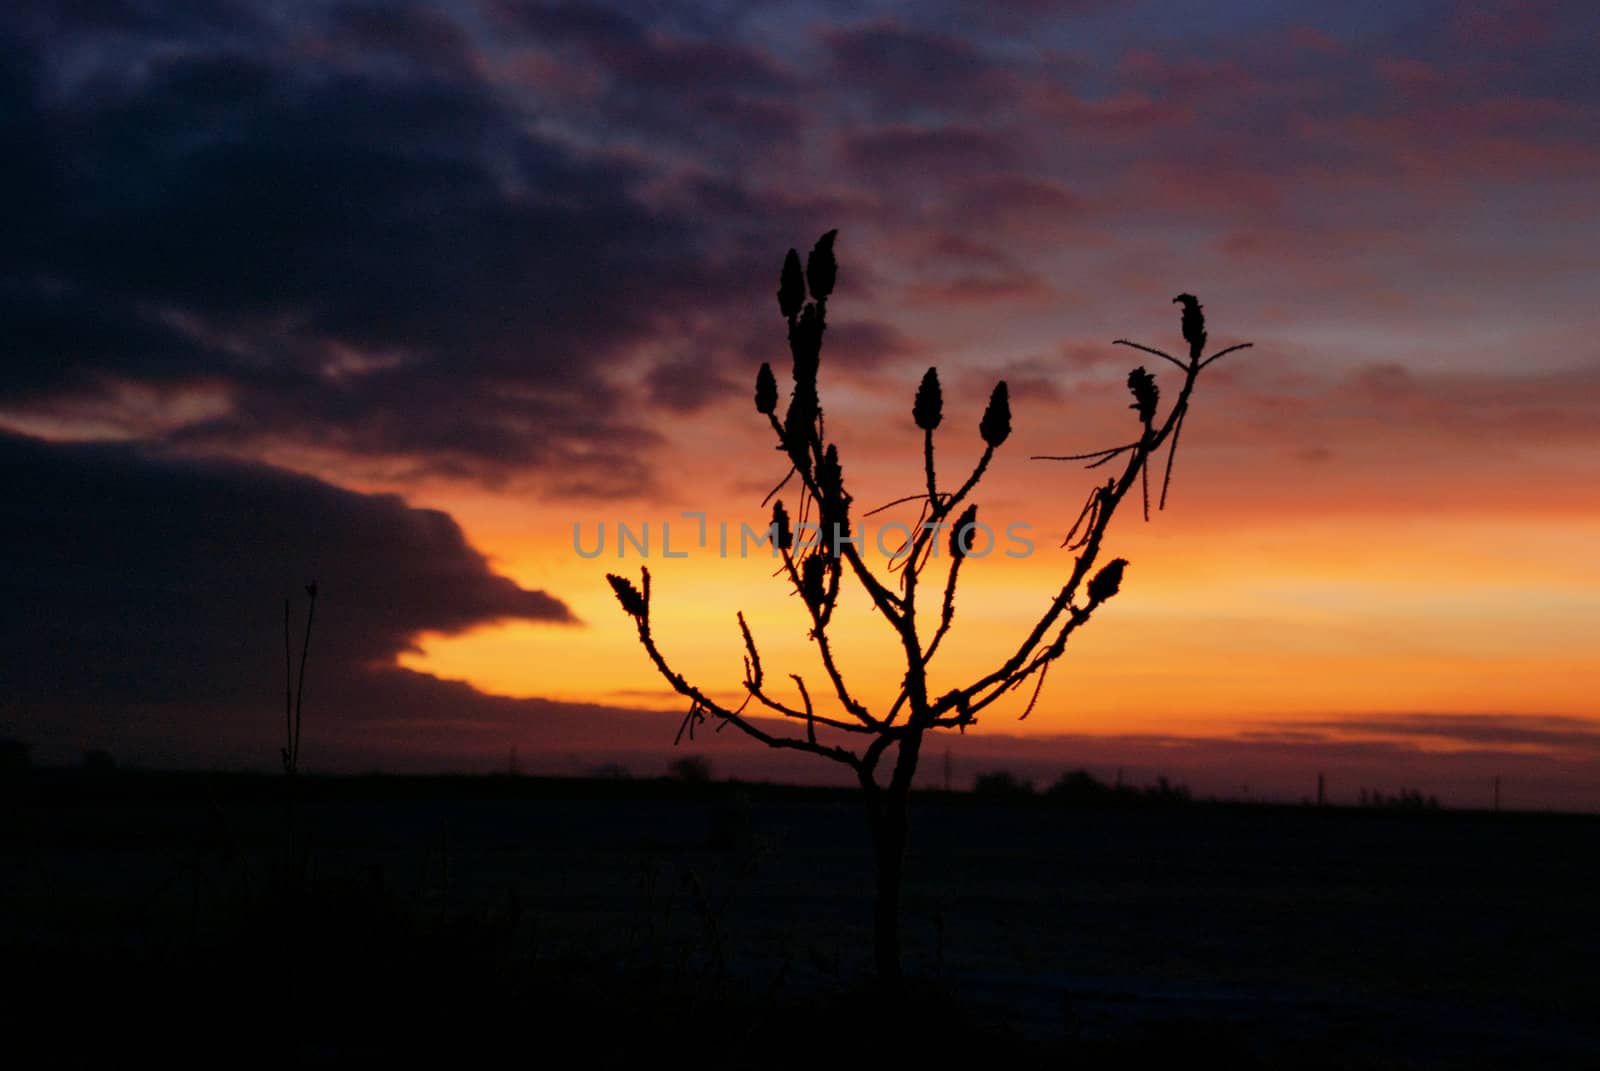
(1172, 452)
(702, 705)
(896, 502)
(810, 715)
(754, 676)
(1223, 353)
(781, 484)
(1152, 352)
(1102, 455)
(1038, 686)
(947, 612)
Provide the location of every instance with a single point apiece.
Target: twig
(1151, 351)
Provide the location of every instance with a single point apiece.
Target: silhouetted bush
(96, 760)
(690, 769)
(1407, 799)
(1001, 784)
(1080, 786)
(1165, 791)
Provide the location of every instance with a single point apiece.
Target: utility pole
(1496, 792)
(1322, 790)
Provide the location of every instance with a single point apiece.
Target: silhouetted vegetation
(691, 769)
(1231, 935)
(1079, 787)
(15, 756)
(947, 530)
(294, 688)
(1407, 799)
(1001, 784)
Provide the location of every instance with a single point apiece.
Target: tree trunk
(887, 816)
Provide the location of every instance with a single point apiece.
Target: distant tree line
(1407, 799)
(1080, 787)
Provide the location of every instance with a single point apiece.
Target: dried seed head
(996, 424)
(1107, 581)
(821, 269)
(814, 581)
(627, 595)
(830, 474)
(799, 425)
(1145, 393)
(1194, 324)
(964, 532)
(780, 521)
(805, 345)
(791, 286)
(835, 504)
(766, 390)
(928, 409)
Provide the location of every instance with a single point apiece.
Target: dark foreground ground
(195, 916)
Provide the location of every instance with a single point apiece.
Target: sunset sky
(397, 297)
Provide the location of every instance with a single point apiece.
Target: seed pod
(821, 269)
(627, 595)
(805, 345)
(996, 424)
(1194, 324)
(835, 504)
(962, 535)
(830, 475)
(780, 520)
(791, 287)
(766, 390)
(928, 409)
(799, 424)
(814, 581)
(1145, 393)
(1107, 581)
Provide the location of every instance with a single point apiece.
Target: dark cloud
(929, 152)
(721, 361)
(866, 344)
(683, 88)
(645, 56)
(360, 237)
(1544, 733)
(477, 245)
(685, 384)
(1428, 412)
(130, 579)
(905, 69)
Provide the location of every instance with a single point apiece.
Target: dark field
(637, 919)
